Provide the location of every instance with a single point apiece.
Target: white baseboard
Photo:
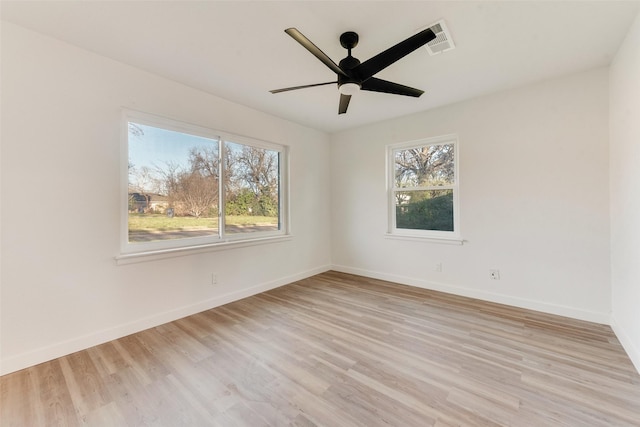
(44, 354)
(627, 343)
(574, 313)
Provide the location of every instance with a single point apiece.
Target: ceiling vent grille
(443, 41)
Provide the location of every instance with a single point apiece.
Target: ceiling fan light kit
(349, 88)
(353, 76)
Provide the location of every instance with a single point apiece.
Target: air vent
(443, 41)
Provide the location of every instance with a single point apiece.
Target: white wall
(625, 192)
(533, 192)
(61, 288)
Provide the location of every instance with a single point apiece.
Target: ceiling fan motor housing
(348, 64)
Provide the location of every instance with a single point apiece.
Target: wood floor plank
(339, 350)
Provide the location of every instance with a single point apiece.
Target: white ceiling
(238, 49)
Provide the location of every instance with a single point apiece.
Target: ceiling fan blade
(382, 60)
(344, 103)
(301, 87)
(315, 50)
(378, 85)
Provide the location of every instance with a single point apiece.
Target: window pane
(430, 165)
(252, 189)
(173, 185)
(424, 210)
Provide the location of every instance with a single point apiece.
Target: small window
(423, 188)
(190, 186)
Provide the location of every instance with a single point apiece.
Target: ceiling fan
(354, 75)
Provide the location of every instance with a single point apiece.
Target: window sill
(426, 239)
(131, 258)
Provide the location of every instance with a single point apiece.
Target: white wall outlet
(494, 274)
(214, 279)
(438, 267)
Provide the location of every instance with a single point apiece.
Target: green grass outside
(157, 222)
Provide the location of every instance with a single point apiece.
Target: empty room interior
(310, 213)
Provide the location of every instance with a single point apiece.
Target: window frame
(434, 235)
(217, 240)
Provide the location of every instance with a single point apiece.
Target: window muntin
(424, 188)
(190, 186)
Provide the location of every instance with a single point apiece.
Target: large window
(191, 186)
(423, 188)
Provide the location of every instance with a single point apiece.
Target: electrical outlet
(214, 279)
(494, 274)
(438, 267)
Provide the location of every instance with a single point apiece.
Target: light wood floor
(339, 350)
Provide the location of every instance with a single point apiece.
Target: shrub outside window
(423, 188)
(191, 186)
